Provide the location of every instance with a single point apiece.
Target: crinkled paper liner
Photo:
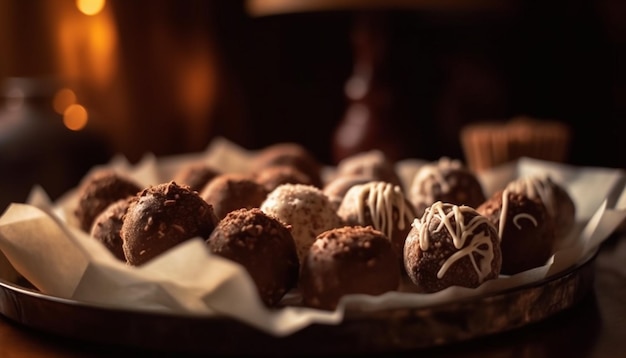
(42, 243)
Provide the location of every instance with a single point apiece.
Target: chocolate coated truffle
(373, 164)
(106, 227)
(292, 154)
(445, 180)
(524, 226)
(558, 202)
(451, 245)
(232, 191)
(337, 187)
(348, 260)
(99, 190)
(263, 246)
(275, 175)
(195, 175)
(161, 217)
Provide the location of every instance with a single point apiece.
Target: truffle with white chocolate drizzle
(451, 245)
(524, 224)
(557, 200)
(382, 205)
(446, 180)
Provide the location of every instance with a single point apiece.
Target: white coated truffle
(306, 209)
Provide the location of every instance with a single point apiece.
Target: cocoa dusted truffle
(524, 226)
(306, 209)
(446, 180)
(451, 245)
(232, 191)
(106, 227)
(99, 190)
(195, 175)
(292, 154)
(381, 205)
(161, 217)
(348, 260)
(263, 246)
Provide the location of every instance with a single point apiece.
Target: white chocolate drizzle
(432, 174)
(521, 216)
(480, 244)
(380, 198)
(537, 186)
(520, 186)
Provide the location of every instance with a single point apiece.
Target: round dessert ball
(161, 217)
(106, 227)
(195, 175)
(451, 245)
(525, 228)
(99, 190)
(446, 180)
(263, 246)
(306, 209)
(232, 191)
(292, 154)
(337, 187)
(381, 205)
(373, 164)
(275, 175)
(348, 260)
(558, 202)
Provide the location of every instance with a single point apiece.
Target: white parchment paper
(40, 241)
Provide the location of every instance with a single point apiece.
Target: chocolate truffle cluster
(324, 232)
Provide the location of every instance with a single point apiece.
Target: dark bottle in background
(36, 148)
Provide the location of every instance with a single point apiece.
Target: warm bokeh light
(87, 47)
(63, 99)
(75, 117)
(90, 7)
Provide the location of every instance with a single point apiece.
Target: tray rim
(23, 298)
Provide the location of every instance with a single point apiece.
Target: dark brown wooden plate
(388, 330)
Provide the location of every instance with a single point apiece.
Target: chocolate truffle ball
(292, 154)
(263, 246)
(306, 209)
(106, 227)
(232, 191)
(558, 202)
(195, 175)
(99, 190)
(348, 260)
(373, 164)
(275, 175)
(451, 245)
(525, 228)
(445, 180)
(381, 205)
(337, 187)
(161, 217)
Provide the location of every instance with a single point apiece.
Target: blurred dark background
(168, 76)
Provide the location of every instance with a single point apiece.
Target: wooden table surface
(596, 327)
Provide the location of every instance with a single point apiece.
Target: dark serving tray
(388, 330)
